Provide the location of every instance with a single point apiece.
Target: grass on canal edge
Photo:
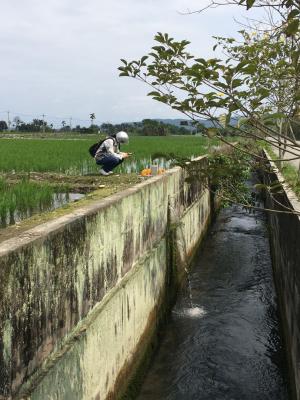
(291, 177)
(289, 172)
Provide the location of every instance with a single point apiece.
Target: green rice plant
(23, 199)
(4, 206)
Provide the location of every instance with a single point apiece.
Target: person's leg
(109, 162)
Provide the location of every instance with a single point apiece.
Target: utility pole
(43, 122)
(8, 120)
(70, 123)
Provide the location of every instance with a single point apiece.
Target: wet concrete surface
(222, 341)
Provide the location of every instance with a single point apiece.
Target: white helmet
(122, 137)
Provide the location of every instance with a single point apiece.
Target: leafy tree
(154, 128)
(257, 82)
(17, 121)
(92, 118)
(3, 126)
(35, 126)
(108, 128)
(241, 86)
(288, 11)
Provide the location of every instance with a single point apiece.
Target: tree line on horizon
(146, 127)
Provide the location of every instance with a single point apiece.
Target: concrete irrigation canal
(85, 295)
(222, 341)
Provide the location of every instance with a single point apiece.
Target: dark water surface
(225, 345)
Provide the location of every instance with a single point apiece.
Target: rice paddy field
(72, 157)
(30, 168)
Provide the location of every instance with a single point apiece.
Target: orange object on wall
(146, 172)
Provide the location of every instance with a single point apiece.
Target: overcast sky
(60, 57)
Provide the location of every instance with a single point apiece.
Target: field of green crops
(19, 200)
(72, 157)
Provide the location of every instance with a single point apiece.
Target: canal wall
(82, 295)
(285, 245)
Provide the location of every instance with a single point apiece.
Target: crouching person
(108, 155)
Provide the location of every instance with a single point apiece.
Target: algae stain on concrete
(7, 342)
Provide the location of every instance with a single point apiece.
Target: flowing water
(222, 341)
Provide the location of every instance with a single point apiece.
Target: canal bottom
(222, 340)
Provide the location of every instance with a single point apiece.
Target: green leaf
(236, 83)
(263, 93)
(241, 65)
(144, 58)
(201, 61)
(233, 107)
(242, 121)
(293, 14)
(154, 93)
(249, 69)
(261, 186)
(276, 116)
(250, 3)
(211, 132)
(292, 27)
(297, 96)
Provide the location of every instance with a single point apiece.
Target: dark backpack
(94, 148)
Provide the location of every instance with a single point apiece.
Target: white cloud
(61, 57)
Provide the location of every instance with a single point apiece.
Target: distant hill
(187, 124)
(180, 123)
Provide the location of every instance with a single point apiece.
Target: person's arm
(109, 145)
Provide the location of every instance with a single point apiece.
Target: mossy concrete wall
(285, 245)
(82, 295)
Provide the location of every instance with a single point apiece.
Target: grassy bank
(291, 177)
(289, 172)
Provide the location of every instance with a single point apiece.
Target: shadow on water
(222, 340)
